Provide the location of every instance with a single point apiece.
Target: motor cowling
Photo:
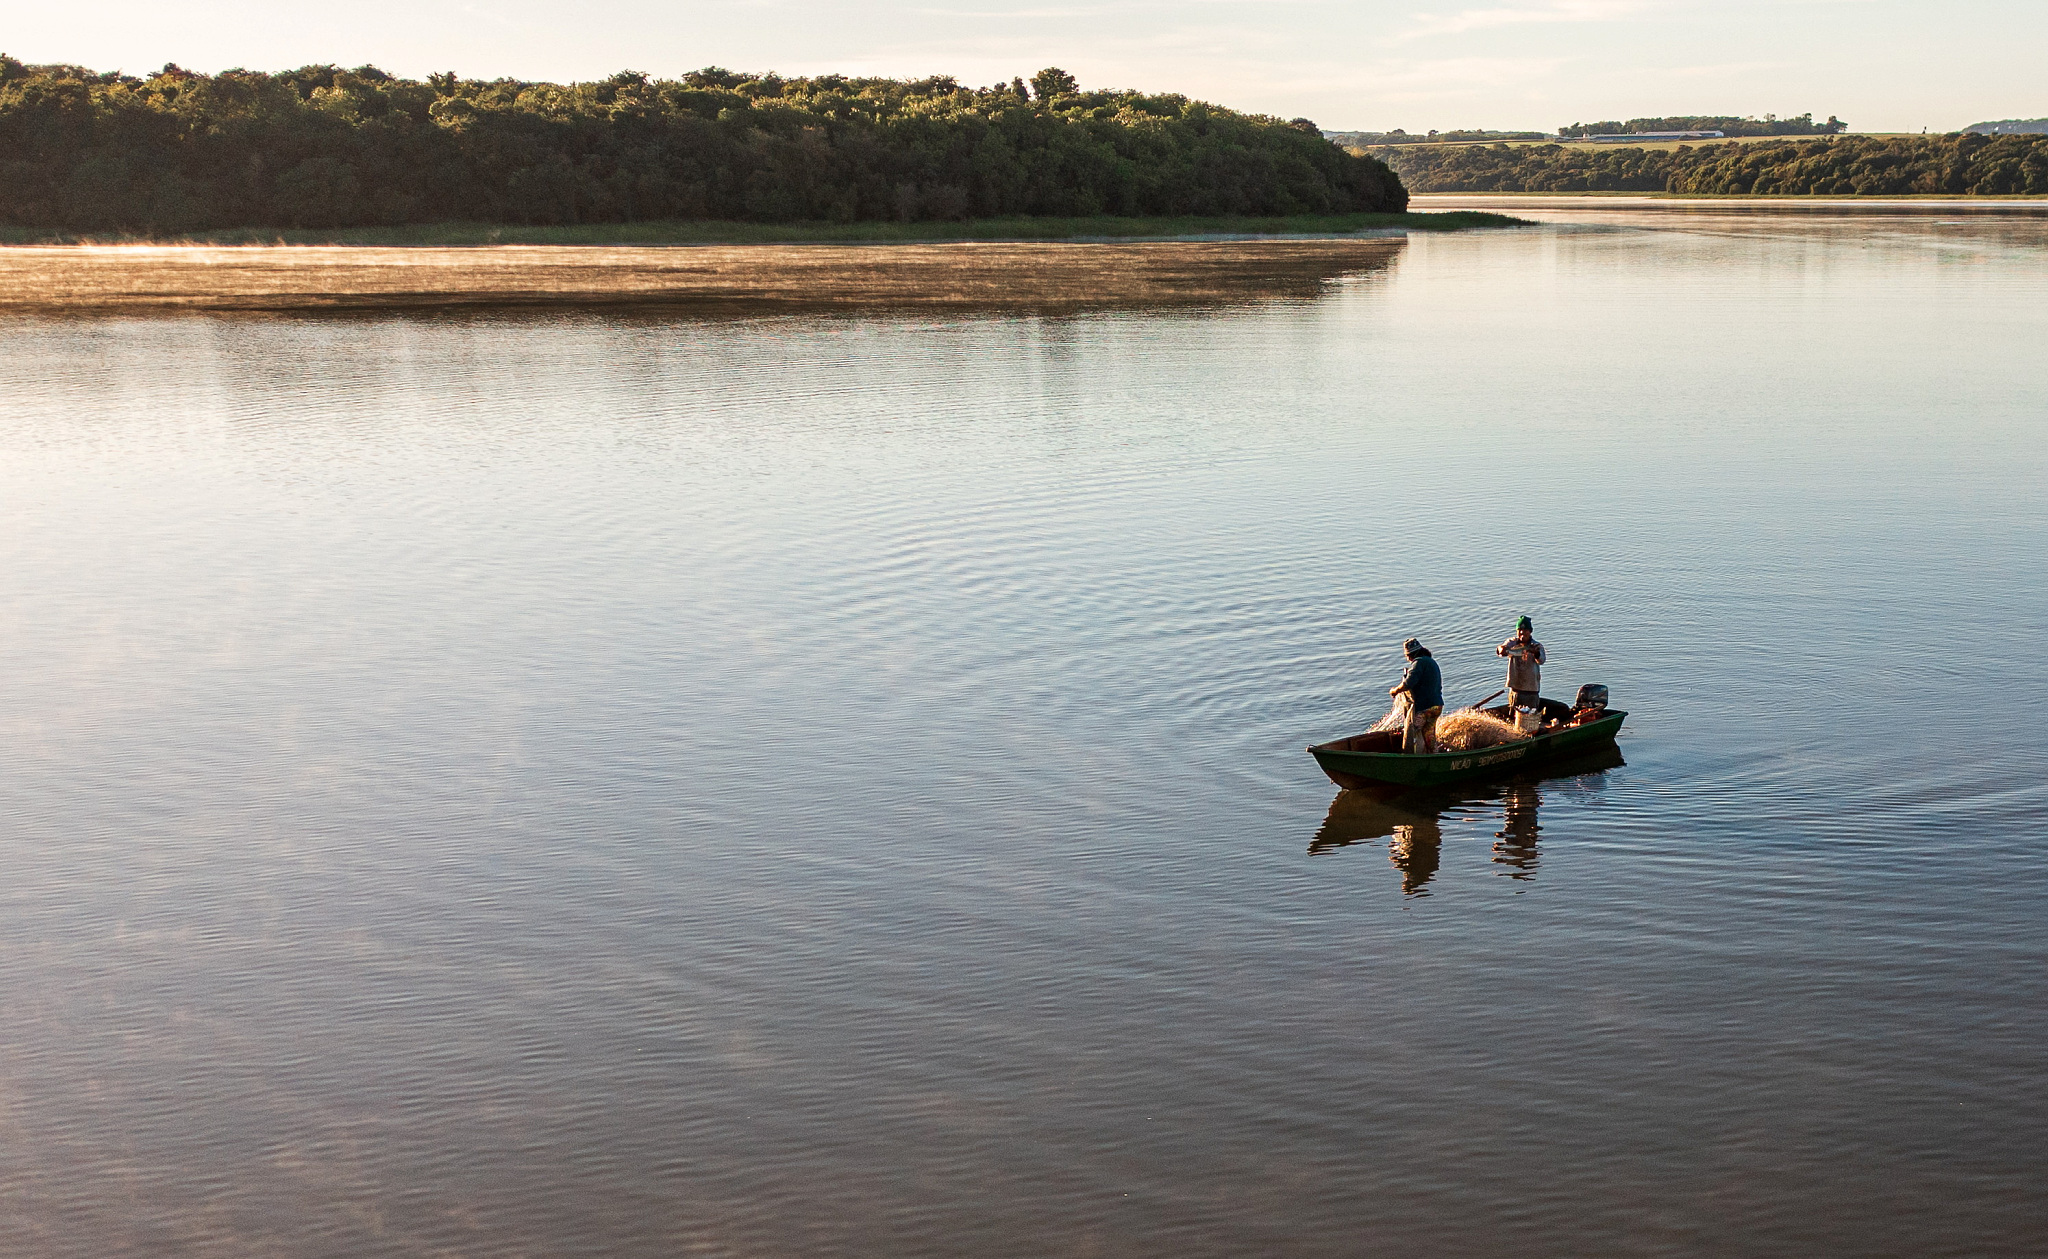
(1592, 696)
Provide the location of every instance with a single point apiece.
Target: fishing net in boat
(1460, 731)
(1396, 718)
(1468, 728)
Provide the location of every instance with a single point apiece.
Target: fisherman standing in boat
(1525, 666)
(1423, 684)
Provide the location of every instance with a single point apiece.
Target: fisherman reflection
(1517, 836)
(1412, 825)
(1415, 849)
(1412, 821)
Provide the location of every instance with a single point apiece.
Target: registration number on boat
(1495, 759)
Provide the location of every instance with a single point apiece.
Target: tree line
(1958, 165)
(1768, 125)
(322, 146)
(1367, 139)
(2011, 127)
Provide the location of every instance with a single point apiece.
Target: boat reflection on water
(1411, 820)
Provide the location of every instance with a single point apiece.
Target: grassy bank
(684, 232)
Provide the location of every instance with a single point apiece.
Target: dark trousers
(1524, 699)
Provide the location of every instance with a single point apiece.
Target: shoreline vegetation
(176, 153)
(1954, 165)
(1726, 124)
(712, 232)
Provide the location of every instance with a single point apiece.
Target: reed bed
(744, 278)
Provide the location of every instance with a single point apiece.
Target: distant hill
(1768, 125)
(1855, 166)
(2010, 127)
(1366, 139)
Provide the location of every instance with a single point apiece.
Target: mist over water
(834, 784)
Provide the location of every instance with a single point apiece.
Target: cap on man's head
(1413, 647)
(1523, 624)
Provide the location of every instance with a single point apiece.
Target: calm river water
(637, 785)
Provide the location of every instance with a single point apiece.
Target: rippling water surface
(628, 785)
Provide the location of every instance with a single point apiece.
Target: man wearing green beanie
(1525, 665)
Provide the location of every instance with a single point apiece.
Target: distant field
(1665, 145)
(726, 233)
(1433, 198)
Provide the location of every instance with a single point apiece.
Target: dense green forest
(1969, 164)
(326, 147)
(1768, 125)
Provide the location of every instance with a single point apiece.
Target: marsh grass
(684, 232)
(993, 275)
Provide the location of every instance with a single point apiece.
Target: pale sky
(1883, 65)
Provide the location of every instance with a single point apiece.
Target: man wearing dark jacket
(1423, 684)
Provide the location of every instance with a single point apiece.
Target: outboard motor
(1592, 697)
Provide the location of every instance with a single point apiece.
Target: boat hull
(1351, 768)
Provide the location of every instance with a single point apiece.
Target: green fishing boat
(1375, 758)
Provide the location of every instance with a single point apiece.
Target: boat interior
(1554, 711)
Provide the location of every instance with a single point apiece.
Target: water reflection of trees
(1411, 821)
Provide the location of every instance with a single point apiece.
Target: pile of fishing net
(1468, 728)
(1465, 730)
